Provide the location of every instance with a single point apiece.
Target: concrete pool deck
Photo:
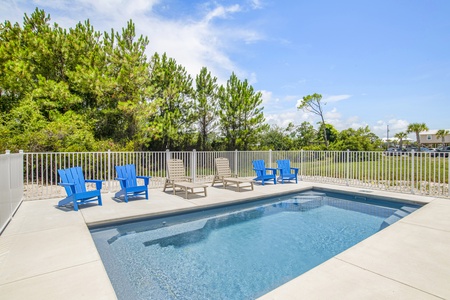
(48, 253)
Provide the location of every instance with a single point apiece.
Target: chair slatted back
(284, 165)
(259, 167)
(128, 172)
(176, 170)
(223, 167)
(73, 175)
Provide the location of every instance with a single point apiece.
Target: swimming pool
(241, 251)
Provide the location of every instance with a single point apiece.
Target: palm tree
(417, 128)
(442, 133)
(401, 136)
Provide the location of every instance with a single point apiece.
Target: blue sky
(376, 63)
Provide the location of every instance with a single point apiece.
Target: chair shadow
(234, 188)
(130, 198)
(182, 195)
(69, 207)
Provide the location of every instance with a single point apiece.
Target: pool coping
(42, 271)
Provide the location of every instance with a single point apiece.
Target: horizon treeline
(78, 89)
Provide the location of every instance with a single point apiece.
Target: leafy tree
(82, 90)
(417, 128)
(275, 138)
(206, 107)
(75, 71)
(28, 60)
(442, 133)
(313, 104)
(127, 89)
(16, 78)
(69, 132)
(303, 135)
(401, 136)
(241, 117)
(329, 133)
(173, 123)
(361, 139)
(19, 127)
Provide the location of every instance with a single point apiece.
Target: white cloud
(256, 4)
(335, 118)
(194, 42)
(395, 126)
(252, 79)
(332, 115)
(335, 98)
(284, 118)
(328, 99)
(221, 12)
(282, 111)
(266, 96)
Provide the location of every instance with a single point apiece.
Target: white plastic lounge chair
(176, 178)
(224, 175)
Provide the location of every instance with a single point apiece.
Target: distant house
(429, 137)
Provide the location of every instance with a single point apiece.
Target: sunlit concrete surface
(47, 252)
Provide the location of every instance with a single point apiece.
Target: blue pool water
(237, 252)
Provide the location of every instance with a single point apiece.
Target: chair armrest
(123, 181)
(146, 179)
(98, 183)
(274, 170)
(68, 184)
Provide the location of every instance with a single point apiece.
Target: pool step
(399, 214)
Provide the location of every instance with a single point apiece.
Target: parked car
(443, 152)
(394, 151)
(422, 150)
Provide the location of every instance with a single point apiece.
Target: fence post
(301, 164)
(235, 171)
(347, 176)
(270, 158)
(6, 200)
(448, 176)
(194, 165)
(412, 171)
(167, 159)
(109, 170)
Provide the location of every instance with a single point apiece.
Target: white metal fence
(418, 173)
(11, 186)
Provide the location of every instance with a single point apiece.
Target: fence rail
(11, 186)
(417, 173)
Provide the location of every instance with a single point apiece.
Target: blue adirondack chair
(72, 180)
(128, 182)
(286, 172)
(262, 173)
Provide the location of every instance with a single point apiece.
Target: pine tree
(241, 117)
